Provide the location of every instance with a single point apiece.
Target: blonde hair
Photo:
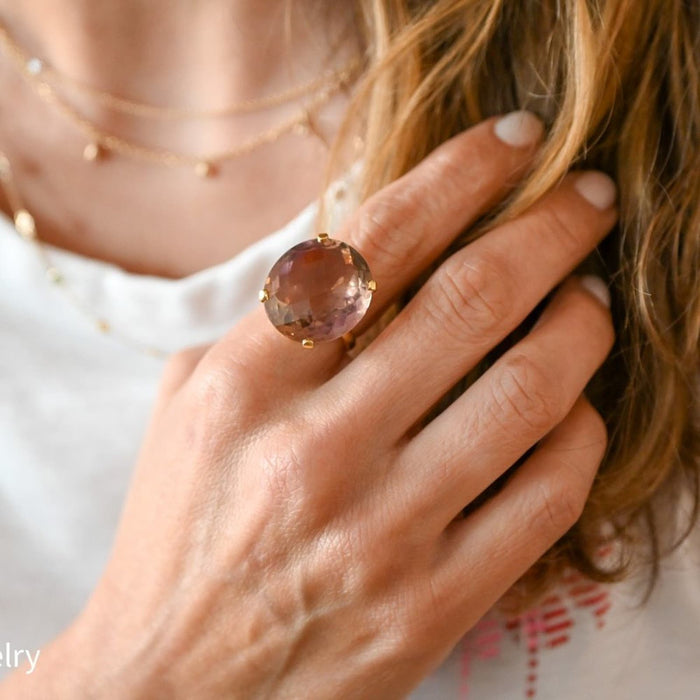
(617, 84)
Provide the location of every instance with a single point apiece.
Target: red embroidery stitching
(547, 626)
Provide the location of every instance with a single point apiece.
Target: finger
(474, 299)
(494, 546)
(507, 410)
(403, 228)
(407, 225)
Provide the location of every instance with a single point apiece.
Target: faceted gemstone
(318, 290)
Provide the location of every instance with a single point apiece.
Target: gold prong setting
(263, 295)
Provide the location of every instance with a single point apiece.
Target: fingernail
(596, 188)
(519, 128)
(597, 287)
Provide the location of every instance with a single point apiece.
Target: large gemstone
(318, 290)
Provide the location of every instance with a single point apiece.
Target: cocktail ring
(319, 290)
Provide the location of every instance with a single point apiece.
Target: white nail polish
(597, 287)
(519, 129)
(596, 188)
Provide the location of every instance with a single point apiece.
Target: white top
(73, 408)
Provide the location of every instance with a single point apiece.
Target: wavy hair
(617, 83)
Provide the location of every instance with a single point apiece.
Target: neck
(192, 53)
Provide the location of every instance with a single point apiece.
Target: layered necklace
(52, 85)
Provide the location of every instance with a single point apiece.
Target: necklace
(141, 109)
(36, 66)
(25, 226)
(101, 143)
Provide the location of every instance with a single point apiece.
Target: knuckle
(524, 391)
(560, 503)
(596, 431)
(562, 494)
(214, 389)
(294, 480)
(207, 424)
(382, 234)
(470, 297)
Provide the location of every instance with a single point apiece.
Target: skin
(258, 549)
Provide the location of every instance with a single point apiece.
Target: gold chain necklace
(25, 226)
(101, 143)
(37, 66)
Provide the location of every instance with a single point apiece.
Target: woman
(319, 523)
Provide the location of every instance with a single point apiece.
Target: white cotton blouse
(74, 404)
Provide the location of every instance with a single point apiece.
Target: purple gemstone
(318, 290)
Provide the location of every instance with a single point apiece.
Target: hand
(287, 534)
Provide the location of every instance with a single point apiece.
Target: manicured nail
(597, 188)
(519, 129)
(597, 287)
